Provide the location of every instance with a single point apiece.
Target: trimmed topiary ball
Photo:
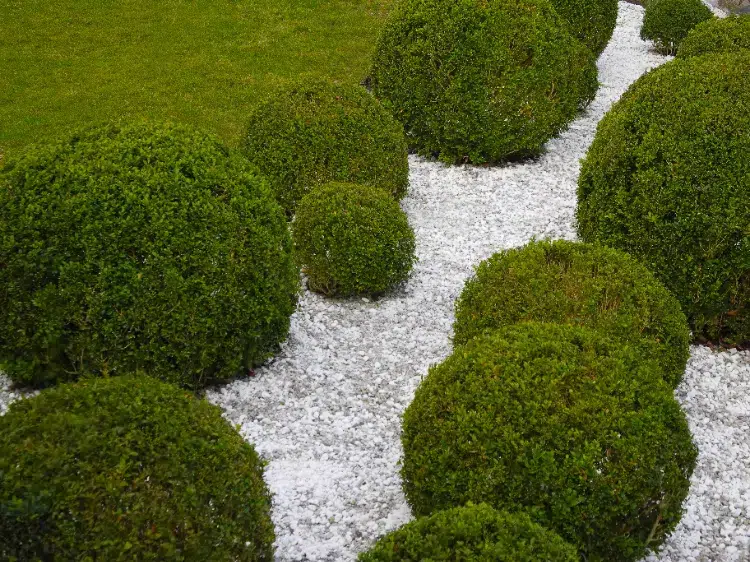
(591, 21)
(575, 283)
(717, 35)
(567, 423)
(140, 248)
(481, 80)
(309, 134)
(352, 239)
(475, 533)
(667, 179)
(667, 22)
(128, 468)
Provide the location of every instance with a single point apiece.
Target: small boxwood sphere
(481, 80)
(128, 468)
(475, 533)
(591, 21)
(308, 134)
(576, 283)
(561, 421)
(667, 179)
(667, 22)
(352, 239)
(140, 248)
(717, 35)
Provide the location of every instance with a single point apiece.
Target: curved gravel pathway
(326, 412)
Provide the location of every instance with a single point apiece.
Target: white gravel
(326, 411)
(715, 394)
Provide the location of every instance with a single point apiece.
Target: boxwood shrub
(128, 468)
(352, 239)
(311, 133)
(481, 80)
(591, 21)
(667, 22)
(475, 533)
(140, 247)
(567, 423)
(667, 179)
(576, 283)
(715, 36)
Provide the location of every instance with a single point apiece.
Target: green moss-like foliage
(716, 36)
(140, 248)
(475, 533)
(667, 22)
(128, 468)
(481, 80)
(591, 21)
(352, 239)
(667, 179)
(575, 283)
(564, 422)
(309, 134)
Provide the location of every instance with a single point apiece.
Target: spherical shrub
(667, 22)
(128, 468)
(717, 35)
(564, 422)
(667, 180)
(481, 80)
(591, 21)
(352, 239)
(575, 283)
(475, 533)
(309, 134)
(140, 248)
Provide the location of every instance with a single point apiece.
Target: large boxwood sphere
(140, 247)
(667, 22)
(128, 468)
(481, 80)
(312, 133)
(561, 421)
(352, 239)
(667, 179)
(715, 36)
(576, 283)
(475, 533)
(591, 21)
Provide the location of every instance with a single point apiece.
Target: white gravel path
(326, 411)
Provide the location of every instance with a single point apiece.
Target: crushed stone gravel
(326, 411)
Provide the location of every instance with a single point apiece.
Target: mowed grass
(67, 63)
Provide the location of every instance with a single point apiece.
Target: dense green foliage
(562, 421)
(475, 533)
(481, 80)
(667, 22)
(591, 21)
(716, 36)
(667, 179)
(128, 468)
(140, 248)
(352, 239)
(575, 283)
(313, 133)
(74, 62)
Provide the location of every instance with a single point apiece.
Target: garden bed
(326, 412)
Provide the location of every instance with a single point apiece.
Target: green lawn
(71, 62)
